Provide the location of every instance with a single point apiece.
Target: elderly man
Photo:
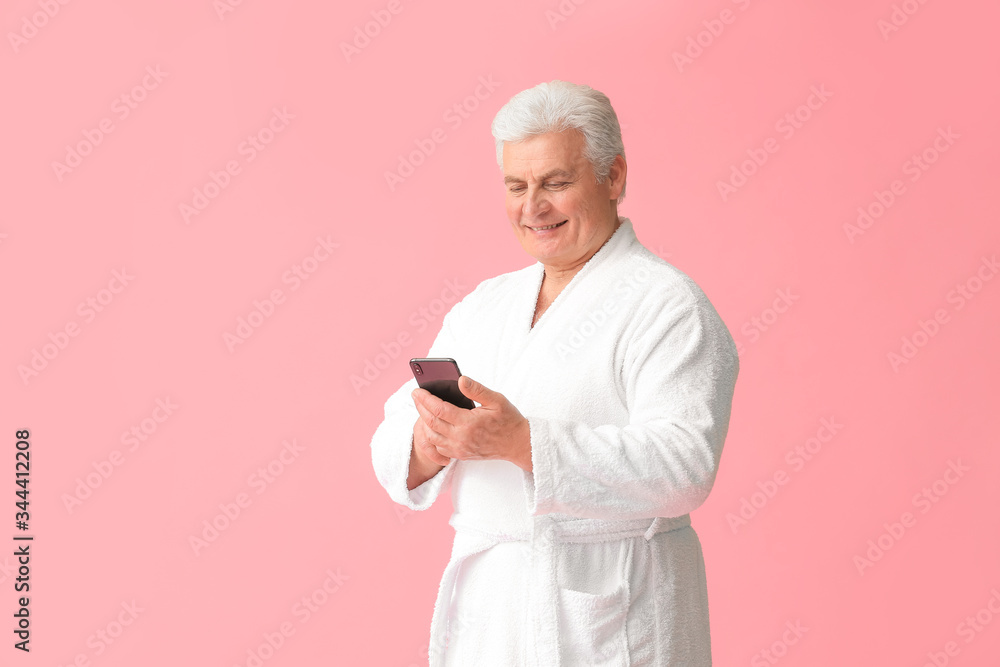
(604, 378)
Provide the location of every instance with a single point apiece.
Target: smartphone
(440, 377)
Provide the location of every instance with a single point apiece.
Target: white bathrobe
(627, 383)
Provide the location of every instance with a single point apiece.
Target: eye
(557, 185)
(516, 188)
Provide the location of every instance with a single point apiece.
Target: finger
(431, 453)
(428, 445)
(440, 415)
(478, 392)
(428, 419)
(423, 441)
(435, 433)
(438, 457)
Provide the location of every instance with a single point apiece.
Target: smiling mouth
(547, 227)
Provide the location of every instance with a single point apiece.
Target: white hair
(556, 106)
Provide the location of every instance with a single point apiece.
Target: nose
(535, 202)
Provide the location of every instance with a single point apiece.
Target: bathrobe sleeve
(678, 376)
(392, 443)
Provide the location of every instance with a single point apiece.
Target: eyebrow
(562, 173)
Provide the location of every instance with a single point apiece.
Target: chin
(544, 256)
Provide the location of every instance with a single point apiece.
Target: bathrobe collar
(621, 239)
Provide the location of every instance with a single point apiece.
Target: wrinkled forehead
(553, 154)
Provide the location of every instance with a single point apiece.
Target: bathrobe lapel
(523, 347)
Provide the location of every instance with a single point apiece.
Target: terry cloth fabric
(627, 383)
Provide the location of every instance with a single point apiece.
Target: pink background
(687, 125)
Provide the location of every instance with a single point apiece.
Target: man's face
(550, 182)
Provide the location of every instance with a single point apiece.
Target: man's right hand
(425, 461)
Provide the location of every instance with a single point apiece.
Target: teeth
(538, 229)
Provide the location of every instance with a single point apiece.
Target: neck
(559, 276)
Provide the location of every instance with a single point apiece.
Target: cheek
(583, 205)
(564, 203)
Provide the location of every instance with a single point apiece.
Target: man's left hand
(493, 430)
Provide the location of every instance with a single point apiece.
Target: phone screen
(440, 376)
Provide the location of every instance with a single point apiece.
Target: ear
(616, 177)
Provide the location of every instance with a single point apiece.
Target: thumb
(476, 391)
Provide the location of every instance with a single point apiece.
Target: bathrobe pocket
(594, 603)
